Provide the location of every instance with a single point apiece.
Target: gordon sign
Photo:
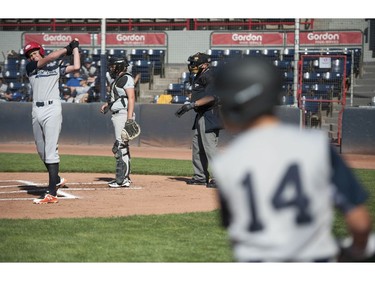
(57, 39)
(281, 39)
(247, 39)
(327, 38)
(135, 39)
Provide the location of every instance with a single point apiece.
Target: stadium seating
(120, 53)
(216, 54)
(145, 68)
(176, 89)
(232, 54)
(138, 54)
(14, 86)
(273, 54)
(180, 99)
(252, 52)
(12, 76)
(284, 65)
(157, 57)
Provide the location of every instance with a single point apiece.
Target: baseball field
(159, 219)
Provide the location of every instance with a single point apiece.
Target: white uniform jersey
(277, 191)
(44, 81)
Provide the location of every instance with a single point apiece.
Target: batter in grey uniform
(279, 184)
(121, 104)
(44, 73)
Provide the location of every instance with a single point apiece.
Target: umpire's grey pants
(203, 151)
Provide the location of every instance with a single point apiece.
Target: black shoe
(211, 184)
(195, 182)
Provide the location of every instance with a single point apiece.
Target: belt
(43, 103)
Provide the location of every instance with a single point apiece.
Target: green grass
(12, 162)
(192, 237)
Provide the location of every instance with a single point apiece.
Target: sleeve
(31, 67)
(350, 192)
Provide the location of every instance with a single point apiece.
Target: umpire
(207, 123)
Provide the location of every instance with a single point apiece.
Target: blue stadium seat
(284, 65)
(176, 89)
(157, 57)
(96, 54)
(252, 52)
(12, 76)
(288, 76)
(120, 53)
(232, 54)
(288, 54)
(144, 67)
(215, 54)
(180, 99)
(11, 64)
(138, 54)
(332, 76)
(271, 53)
(312, 76)
(14, 86)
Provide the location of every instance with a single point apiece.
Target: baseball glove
(185, 108)
(130, 131)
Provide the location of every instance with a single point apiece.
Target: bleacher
(319, 84)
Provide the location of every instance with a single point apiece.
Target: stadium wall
(358, 130)
(83, 124)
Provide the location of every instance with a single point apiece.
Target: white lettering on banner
(323, 37)
(249, 37)
(133, 37)
(59, 37)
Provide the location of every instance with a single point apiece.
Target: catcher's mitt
(130, 131)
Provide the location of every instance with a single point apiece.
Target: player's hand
(69, 48)
(104, 109)
(74, 43)
(185, 108)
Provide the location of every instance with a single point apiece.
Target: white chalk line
(60, 192)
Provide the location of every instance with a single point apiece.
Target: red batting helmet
(32, 46)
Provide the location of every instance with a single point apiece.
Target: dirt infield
(87, 195)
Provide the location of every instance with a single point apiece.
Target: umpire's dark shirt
(202, 87)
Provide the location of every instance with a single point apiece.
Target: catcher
(121, 102)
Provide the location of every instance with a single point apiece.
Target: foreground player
(121, 104)
(44, 74)
(278, 185)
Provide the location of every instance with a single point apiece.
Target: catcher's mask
(32, 46)
(248, 88)
(196, 61)
(116, 66)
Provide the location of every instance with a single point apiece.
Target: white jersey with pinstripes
(276, 184)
